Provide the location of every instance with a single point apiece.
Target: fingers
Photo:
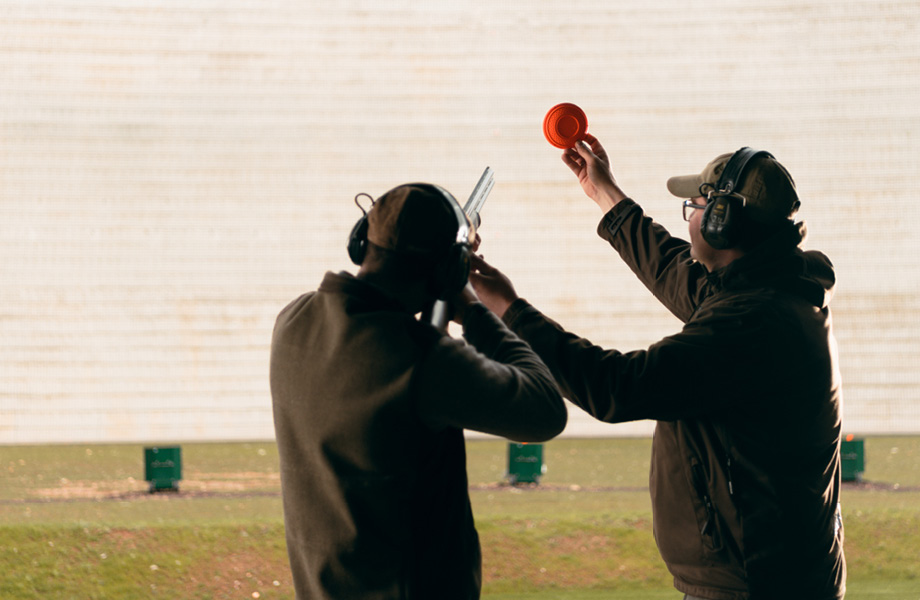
(584, 150)
(592, 146)
(600, 152)
(492, 287)
(479, 265)
(572, 160)
(476, 242)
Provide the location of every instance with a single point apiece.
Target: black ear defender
(452, 270)
(722, 223)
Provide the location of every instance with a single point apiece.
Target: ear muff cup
(452, 272)
(357, 241)
(721, 223)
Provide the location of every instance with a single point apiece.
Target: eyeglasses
(689, 204)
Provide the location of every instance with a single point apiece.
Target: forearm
(660, 261)
(587, 375)
(529, 387)
(616, 387)
(490, 336)
(609, 196)
(496, 384)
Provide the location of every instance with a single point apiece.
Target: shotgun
(439, 312)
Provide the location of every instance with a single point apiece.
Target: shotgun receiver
(439, 314)
(478, 197)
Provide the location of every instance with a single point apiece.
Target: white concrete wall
(173, 173)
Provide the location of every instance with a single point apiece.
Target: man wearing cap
(370, 404)
(745, 471)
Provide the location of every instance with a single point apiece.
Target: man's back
(376, 504)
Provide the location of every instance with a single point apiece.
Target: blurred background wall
(173, 173)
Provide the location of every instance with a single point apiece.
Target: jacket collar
(780, 263)
(366, 295)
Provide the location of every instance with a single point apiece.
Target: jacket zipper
(728, 472)
(702, 490)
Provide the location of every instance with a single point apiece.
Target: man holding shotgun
(370, 404)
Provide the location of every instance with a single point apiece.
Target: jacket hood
(780, 263)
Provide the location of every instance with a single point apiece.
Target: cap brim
(685, 186)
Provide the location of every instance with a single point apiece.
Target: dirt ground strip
(201, 485)
(252, 484)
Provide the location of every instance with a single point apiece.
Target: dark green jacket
(370, 406)
(745, 476)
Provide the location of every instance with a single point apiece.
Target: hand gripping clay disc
(564, 125)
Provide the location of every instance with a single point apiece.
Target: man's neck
(722, 258)
(412, 295)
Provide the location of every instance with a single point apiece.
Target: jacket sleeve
(672, 379)
(495, 384)
(660, 261)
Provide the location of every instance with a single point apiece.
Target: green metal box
(525, 463)
(163, 467)
(852, 459)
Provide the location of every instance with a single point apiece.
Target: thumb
(584, 150)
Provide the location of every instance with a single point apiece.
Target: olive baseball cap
(765, 184)
(415, 218)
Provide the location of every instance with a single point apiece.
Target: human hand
(591, 165)
(461, 301)
(475, 242)
(493, 287)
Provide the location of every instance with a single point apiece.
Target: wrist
(609, 197)
(502, 307)
(462, 303)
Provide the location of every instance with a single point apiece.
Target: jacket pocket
(707, 517)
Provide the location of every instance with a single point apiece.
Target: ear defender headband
(453, 269)
(357, 239)
(722, 222)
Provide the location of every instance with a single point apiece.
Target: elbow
(559, 423)
(545, 428)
